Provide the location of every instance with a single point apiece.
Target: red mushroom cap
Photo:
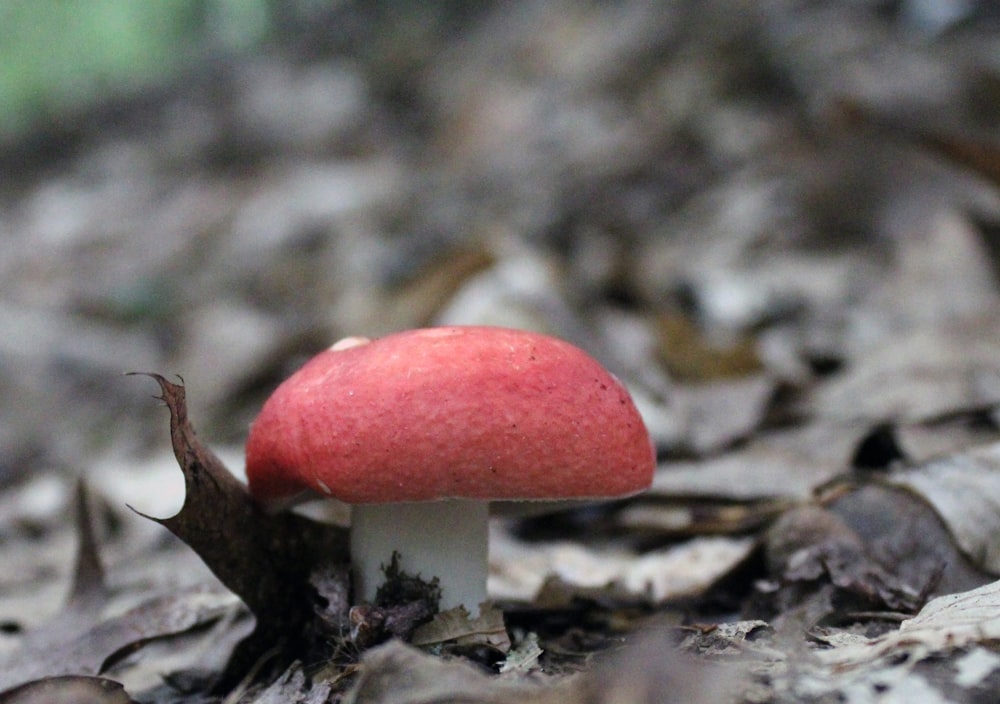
(455, 412)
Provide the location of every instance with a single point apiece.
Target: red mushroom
(421, 429)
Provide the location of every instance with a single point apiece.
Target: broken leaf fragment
(67, 689)
(401, 674)
(524, 657)
(457, 627)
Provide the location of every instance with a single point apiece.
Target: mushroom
(419, 430)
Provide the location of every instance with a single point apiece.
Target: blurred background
(700, 193)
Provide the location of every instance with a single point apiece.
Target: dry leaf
(945, 623)
(905, 536)
(265, 560)
(394, 673)
(964, 489)
(69, 689)
(652, 671)
(293, 687)
(523, 658)
(718, 414)
(458, 627)
(80, 641)
(923, 374)
(786, 464)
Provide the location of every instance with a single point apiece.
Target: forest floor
(777, 223)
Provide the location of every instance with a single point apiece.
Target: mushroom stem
(447, 539)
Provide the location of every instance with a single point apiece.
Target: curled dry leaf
(907, 538)
(68, 689)
(266, 560)
(824, 569)
(964, 489)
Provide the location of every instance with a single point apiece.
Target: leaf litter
(796, 207)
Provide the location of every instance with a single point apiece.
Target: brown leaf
(89, 591)
(650, 670)
(266, 560)
(964, 490)
(907, 538)
(71, 689)
(397, 673)
(63, 647)
(457, 626)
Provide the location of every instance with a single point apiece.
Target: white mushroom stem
(445, 539)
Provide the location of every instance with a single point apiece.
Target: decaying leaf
(689, 355)
(49, 649)
(957, 630)
(458, 627)
(926, 373)
(964, 489)
(652, 671)
(81, 640)
(266, 560)
(401, 674)
(555, 573)
(292, 687)
(524, 657)
(937, 437)
(872, 549)
(824, 570)
(719, 414)
(908, 538)
(786, 464)
(68, 689)
(90, 651)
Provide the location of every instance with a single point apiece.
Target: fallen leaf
(921, 374)
(89, 651)
(719, 414)
(778, 464)
(652, 671)
(395, 673)
(947, 622)
(81, 641)
(964, 489)
(524, 657)
(458, 627)
(689, 355)
(907, 539)
(266, 560)
(293, 687)
(50, 649)
(69, 689)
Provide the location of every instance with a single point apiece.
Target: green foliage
(59, 55)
